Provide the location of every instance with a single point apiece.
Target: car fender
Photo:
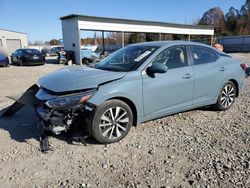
(129, 87)
(233, 72)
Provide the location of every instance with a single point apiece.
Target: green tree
(54, 42)
(152, 37)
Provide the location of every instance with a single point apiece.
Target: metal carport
(73, 24)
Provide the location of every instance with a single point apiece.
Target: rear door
(14, 56)
(209, 74)
(171, 91)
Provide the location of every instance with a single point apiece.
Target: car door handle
(222, 69)
(187, 76)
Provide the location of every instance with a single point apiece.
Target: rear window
(32, 51)
(203, 55)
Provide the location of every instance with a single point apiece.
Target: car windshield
(32, 51)
(127, 59)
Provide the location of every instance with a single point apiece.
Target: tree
(152, 37)
(231, 20)
(235, 22)
(245, 9)
(214, 16)
(136, 37)
(54, 42)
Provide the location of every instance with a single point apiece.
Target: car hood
(77, 78)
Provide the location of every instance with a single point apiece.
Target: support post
(159, 36)
(123, 39)
(189, 37)
(103, 43)
(212, 40)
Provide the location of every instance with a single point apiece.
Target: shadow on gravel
(26, 65)
(52, 61)
(24, 125)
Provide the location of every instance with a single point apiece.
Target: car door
(171, 91)
(14, 57)
(208, 72)
(19, 56)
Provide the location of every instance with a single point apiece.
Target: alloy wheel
(227, 96)
(114, 123)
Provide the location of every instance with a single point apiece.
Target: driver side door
(171, 91)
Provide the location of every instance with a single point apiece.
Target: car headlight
(69, 101)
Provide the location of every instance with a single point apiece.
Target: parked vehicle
(138, 83)
(45, 52)
(59, 52)
(55, 50)
(4, 60)
(90, 54)
(27, 57)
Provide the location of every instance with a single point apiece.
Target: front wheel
(111, 122)
(227, 96)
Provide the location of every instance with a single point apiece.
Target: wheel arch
(131, 105)
(236, 85)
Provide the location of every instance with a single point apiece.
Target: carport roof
(137, 22)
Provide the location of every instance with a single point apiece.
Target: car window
(128, 58)
(16, 52)
(202, 55)
(173, 57)
(31, 51)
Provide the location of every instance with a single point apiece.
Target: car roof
(176, 42)
(164, 43)
(28, 49)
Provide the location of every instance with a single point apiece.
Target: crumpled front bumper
(63, 120)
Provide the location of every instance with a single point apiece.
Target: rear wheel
(21, 62)
(227, 96)
(111, 122)
(86, 61)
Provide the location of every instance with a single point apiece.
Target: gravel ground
(198, 148)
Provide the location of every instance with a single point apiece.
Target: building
(12, 40)
(73, 24)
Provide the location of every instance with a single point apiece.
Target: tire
(227, 97)
(85, 61)
(111, 122)
(21, 62)
(58, 57)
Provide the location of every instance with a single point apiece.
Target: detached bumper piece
(72, 121)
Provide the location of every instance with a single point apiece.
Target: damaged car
(138, 83)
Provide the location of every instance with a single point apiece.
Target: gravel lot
(198, 148)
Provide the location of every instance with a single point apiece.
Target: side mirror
(157, 68)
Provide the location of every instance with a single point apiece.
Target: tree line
(234, 22)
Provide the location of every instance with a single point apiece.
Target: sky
(40, 19)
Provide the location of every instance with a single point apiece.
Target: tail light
(243, 66)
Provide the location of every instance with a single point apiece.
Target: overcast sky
(40, 18)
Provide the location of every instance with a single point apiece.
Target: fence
(235, 43)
